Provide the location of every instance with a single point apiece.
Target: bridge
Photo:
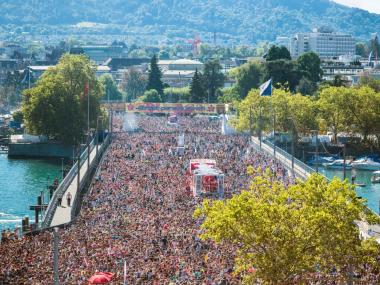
(296, 167)
(58, 211)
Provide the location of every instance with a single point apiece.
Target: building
(283, 42)
(36, 71)
(100, 53)
(323, 42)
(180, 72)
(7, 66)
(349, 72)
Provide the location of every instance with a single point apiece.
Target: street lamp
(316, 148)
(97, 132)
(55, 256)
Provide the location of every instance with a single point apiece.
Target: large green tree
(57, 105)
(134, 83)
(248, 76)
(111, 90)
(276, 53)
(284, 73)
(309, 66)
(213, 78)
(154, 79)
(285, 235)
(197, 92)
(333, 116)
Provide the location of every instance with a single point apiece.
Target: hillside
(244, 20)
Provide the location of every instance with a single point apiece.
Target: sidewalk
(62, 214)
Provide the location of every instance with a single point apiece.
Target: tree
(363, 105)
(306, 87)
(213, 78)
(174, 95)
(197, 93)
(134, 83)
(309, 65)
(57, 105)
(276, 53)
(284, 73)
(248, 76)
(111, 91)
(154, 79)
(287, 234)
(370, 82)
(151, 96)
(331, 111)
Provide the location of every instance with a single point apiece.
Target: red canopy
(101, 278)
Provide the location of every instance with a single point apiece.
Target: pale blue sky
(370, 5)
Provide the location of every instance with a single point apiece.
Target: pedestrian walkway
(62, 214)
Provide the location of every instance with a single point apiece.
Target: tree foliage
(213, 78)
(154, 79)
(248, 76)
(112, 92)
(276, 53)
(284, 235)
(309, 66)
(57, 105)
(151, 96)
(197, 92)
(134, 83)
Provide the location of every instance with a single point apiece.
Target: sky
(370, 5)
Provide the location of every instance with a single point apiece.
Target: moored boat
(375, 177)
(338, 164)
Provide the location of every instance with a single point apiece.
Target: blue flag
(266, 88)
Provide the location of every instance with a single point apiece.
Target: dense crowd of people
(138, 211)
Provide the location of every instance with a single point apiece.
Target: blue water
(21, 181)
(371, 192)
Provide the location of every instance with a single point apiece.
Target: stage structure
(181, 144)
(206, 179)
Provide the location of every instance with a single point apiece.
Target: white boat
(375, 177)
(338, 164)
(366, 164)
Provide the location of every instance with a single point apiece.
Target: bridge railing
(62, 187)
(301, 170)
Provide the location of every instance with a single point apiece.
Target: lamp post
(344, 162)
(316, 149)
(55, 256)
(97, 133)
(62, 167)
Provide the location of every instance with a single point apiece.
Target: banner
(175, 108)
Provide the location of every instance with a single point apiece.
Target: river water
(21, 181)
(371, 192)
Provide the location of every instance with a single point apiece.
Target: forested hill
(248, 20)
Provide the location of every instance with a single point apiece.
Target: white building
(325, 43)
(180, 72)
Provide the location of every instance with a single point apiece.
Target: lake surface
(371, 192)
(21, 181)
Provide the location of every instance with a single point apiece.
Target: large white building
(323, 42)
(180, 72)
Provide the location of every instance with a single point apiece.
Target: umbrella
(101, 278)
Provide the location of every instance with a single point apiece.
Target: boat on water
(366, 163)
(338, 164)
(321, 159)
(375, 177)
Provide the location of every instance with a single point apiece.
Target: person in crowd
(139, 210)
